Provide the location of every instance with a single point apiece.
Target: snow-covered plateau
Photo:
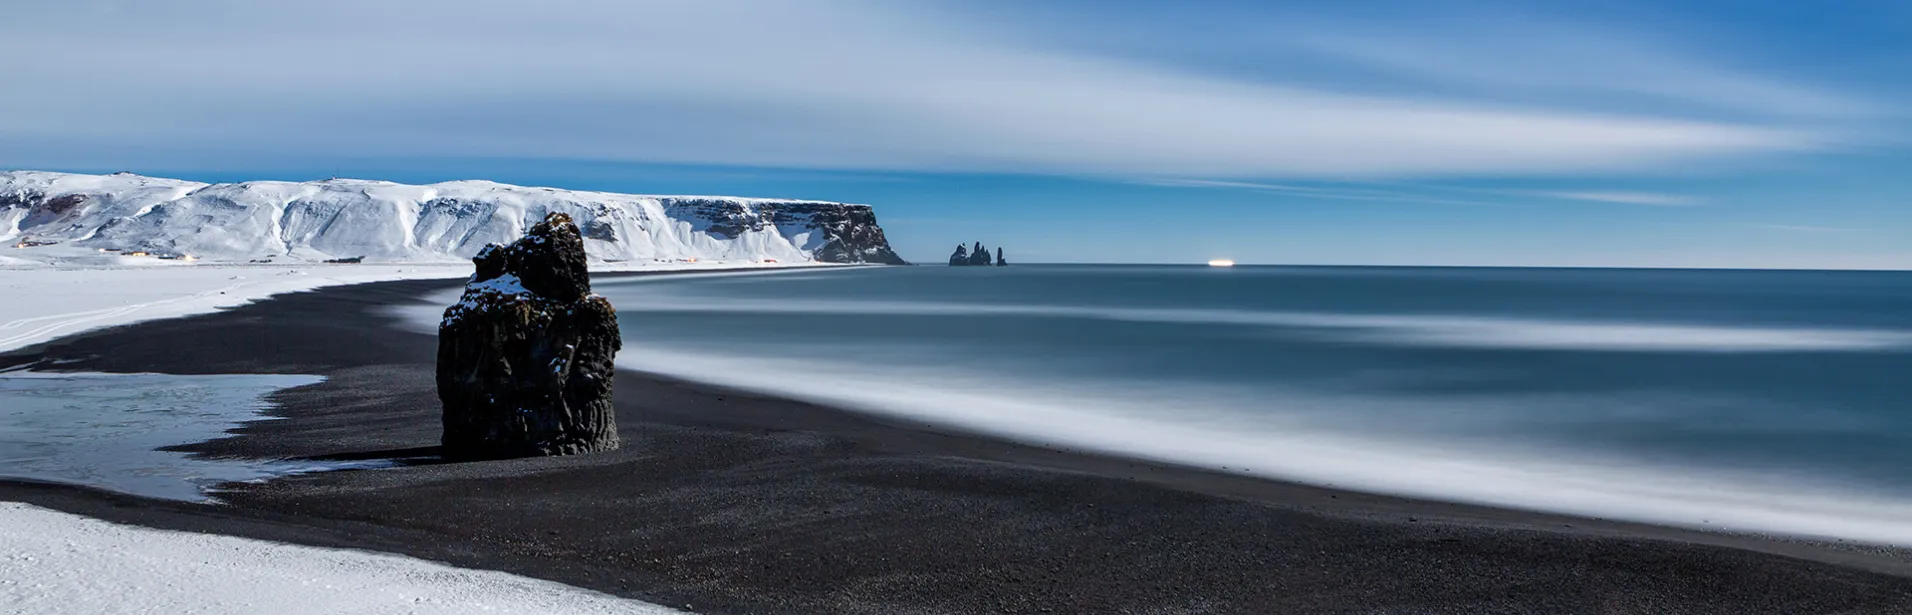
(76, 219)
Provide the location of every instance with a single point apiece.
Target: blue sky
(1697, 133)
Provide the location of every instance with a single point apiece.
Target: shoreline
(744, 503)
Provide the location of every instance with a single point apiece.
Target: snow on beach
(45, 302)
(54, 562)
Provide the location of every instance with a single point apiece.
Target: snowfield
(53, 562)
(47, 216)
(42, 302)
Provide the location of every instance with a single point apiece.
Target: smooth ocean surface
(1771, 401)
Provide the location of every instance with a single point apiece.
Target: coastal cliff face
(525, 356)
(830, 232)
(387, 222)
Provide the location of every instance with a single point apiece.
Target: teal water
(105, 430)
(1739, 400)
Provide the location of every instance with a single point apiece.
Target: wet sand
(731, 502)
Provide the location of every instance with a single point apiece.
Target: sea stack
(964, 256)
(525, 356)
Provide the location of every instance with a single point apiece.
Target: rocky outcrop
(976, 257)
(525, 356)
(850, 235)
(836, 232)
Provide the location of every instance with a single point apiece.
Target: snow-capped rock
(525, 358)
(389, 222)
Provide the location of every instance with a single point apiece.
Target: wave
(1212, 429)
(1377, 329)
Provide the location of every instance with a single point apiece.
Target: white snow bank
(45, 303)
(42, 303)
(54, 562)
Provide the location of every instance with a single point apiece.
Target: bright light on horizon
(1221, 262)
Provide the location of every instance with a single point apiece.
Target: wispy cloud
(834, 84)
(1801, 228)
(1438, 194)
(1509, 54)
(1656, 199)
(1317, 192)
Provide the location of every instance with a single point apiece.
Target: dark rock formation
(980, 256)
(976, 257)
(849, 232)
(41, 209)
(851, 235)
(524, 358)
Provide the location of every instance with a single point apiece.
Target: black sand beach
(737, 503)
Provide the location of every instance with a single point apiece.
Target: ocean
(1760, 401)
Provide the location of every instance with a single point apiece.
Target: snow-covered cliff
(388, 222)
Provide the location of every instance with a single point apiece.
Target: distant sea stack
(525, 356)
(383, 222)
(976, 257)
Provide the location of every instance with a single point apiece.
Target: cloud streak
(1316, 192)
(1802, 228)
(1558, 61)
(1432, 194)
(832, 84)
(1655, 199)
